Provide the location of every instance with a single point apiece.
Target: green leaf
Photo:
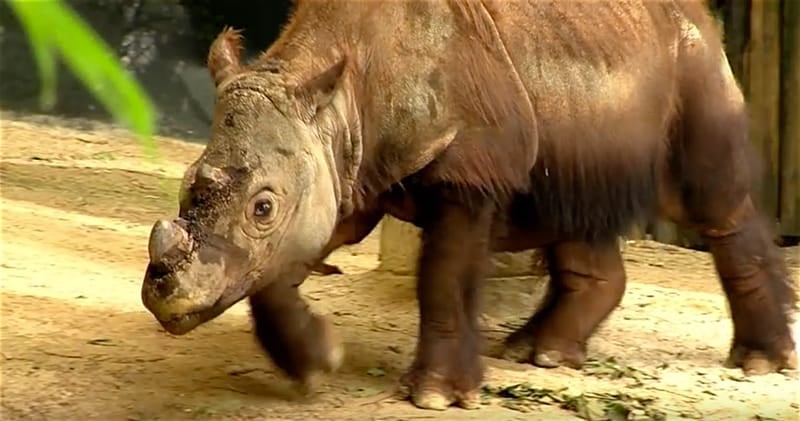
(617, 411)
(376, 372)
(54, 28)
(43, 53)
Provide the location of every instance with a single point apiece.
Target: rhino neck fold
(343, 150)
(350, 151)
(393, 114)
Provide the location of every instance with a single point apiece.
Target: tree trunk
(764, 80)
(790, 120)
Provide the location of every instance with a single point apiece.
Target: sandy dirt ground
(77, 344)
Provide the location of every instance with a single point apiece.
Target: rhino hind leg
(759, 291)
(587, 282)
(299, 342)
(447, 368)
(708, 188)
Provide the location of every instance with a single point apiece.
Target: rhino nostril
(165, 288)
(156, 272)
(158, 279)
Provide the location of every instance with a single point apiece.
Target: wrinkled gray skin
(252, 223)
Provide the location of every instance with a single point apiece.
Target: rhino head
(261, 202)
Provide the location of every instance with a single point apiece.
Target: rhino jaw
(177, 307)
(185, 323)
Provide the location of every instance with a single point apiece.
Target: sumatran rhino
(492, 125)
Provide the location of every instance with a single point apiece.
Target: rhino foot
(544, 358)
(330, 356)
(325, 354)
(754, 362)
(555, 358)
(434, 392)
(300, 343)
(333, 345)
(525, 345)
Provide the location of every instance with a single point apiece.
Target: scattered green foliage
(376, 372)
(55, 30)
(589, 406)
(612, 369)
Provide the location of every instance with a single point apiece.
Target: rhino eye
(262, 209)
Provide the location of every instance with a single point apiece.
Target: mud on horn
(209, 176)
(165, 238)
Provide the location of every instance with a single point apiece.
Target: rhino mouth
(185, 323)
(182, 322)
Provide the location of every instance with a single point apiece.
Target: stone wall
(399, 247)
(513, 290)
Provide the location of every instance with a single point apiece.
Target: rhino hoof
(554, 358)
(549, 359)
(431, 391)
(431, 399)
(335, 348)
(757, 362)
(438, 401)
(335, 358)
(471, 401)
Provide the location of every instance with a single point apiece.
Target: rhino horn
(208, 175)
(166, 238)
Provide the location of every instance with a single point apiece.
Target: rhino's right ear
(224, 56)
(318, 89)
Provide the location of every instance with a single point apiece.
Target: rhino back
(594, 70)
(553, 83)
(602, 80)
(573, 99)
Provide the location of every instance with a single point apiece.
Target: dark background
(163, 42)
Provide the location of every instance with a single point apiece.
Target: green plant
(55, 30)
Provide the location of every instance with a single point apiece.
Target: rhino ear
(318, 90)
(224, 56)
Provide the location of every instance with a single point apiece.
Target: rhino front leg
(299, 342)
(447, 368)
